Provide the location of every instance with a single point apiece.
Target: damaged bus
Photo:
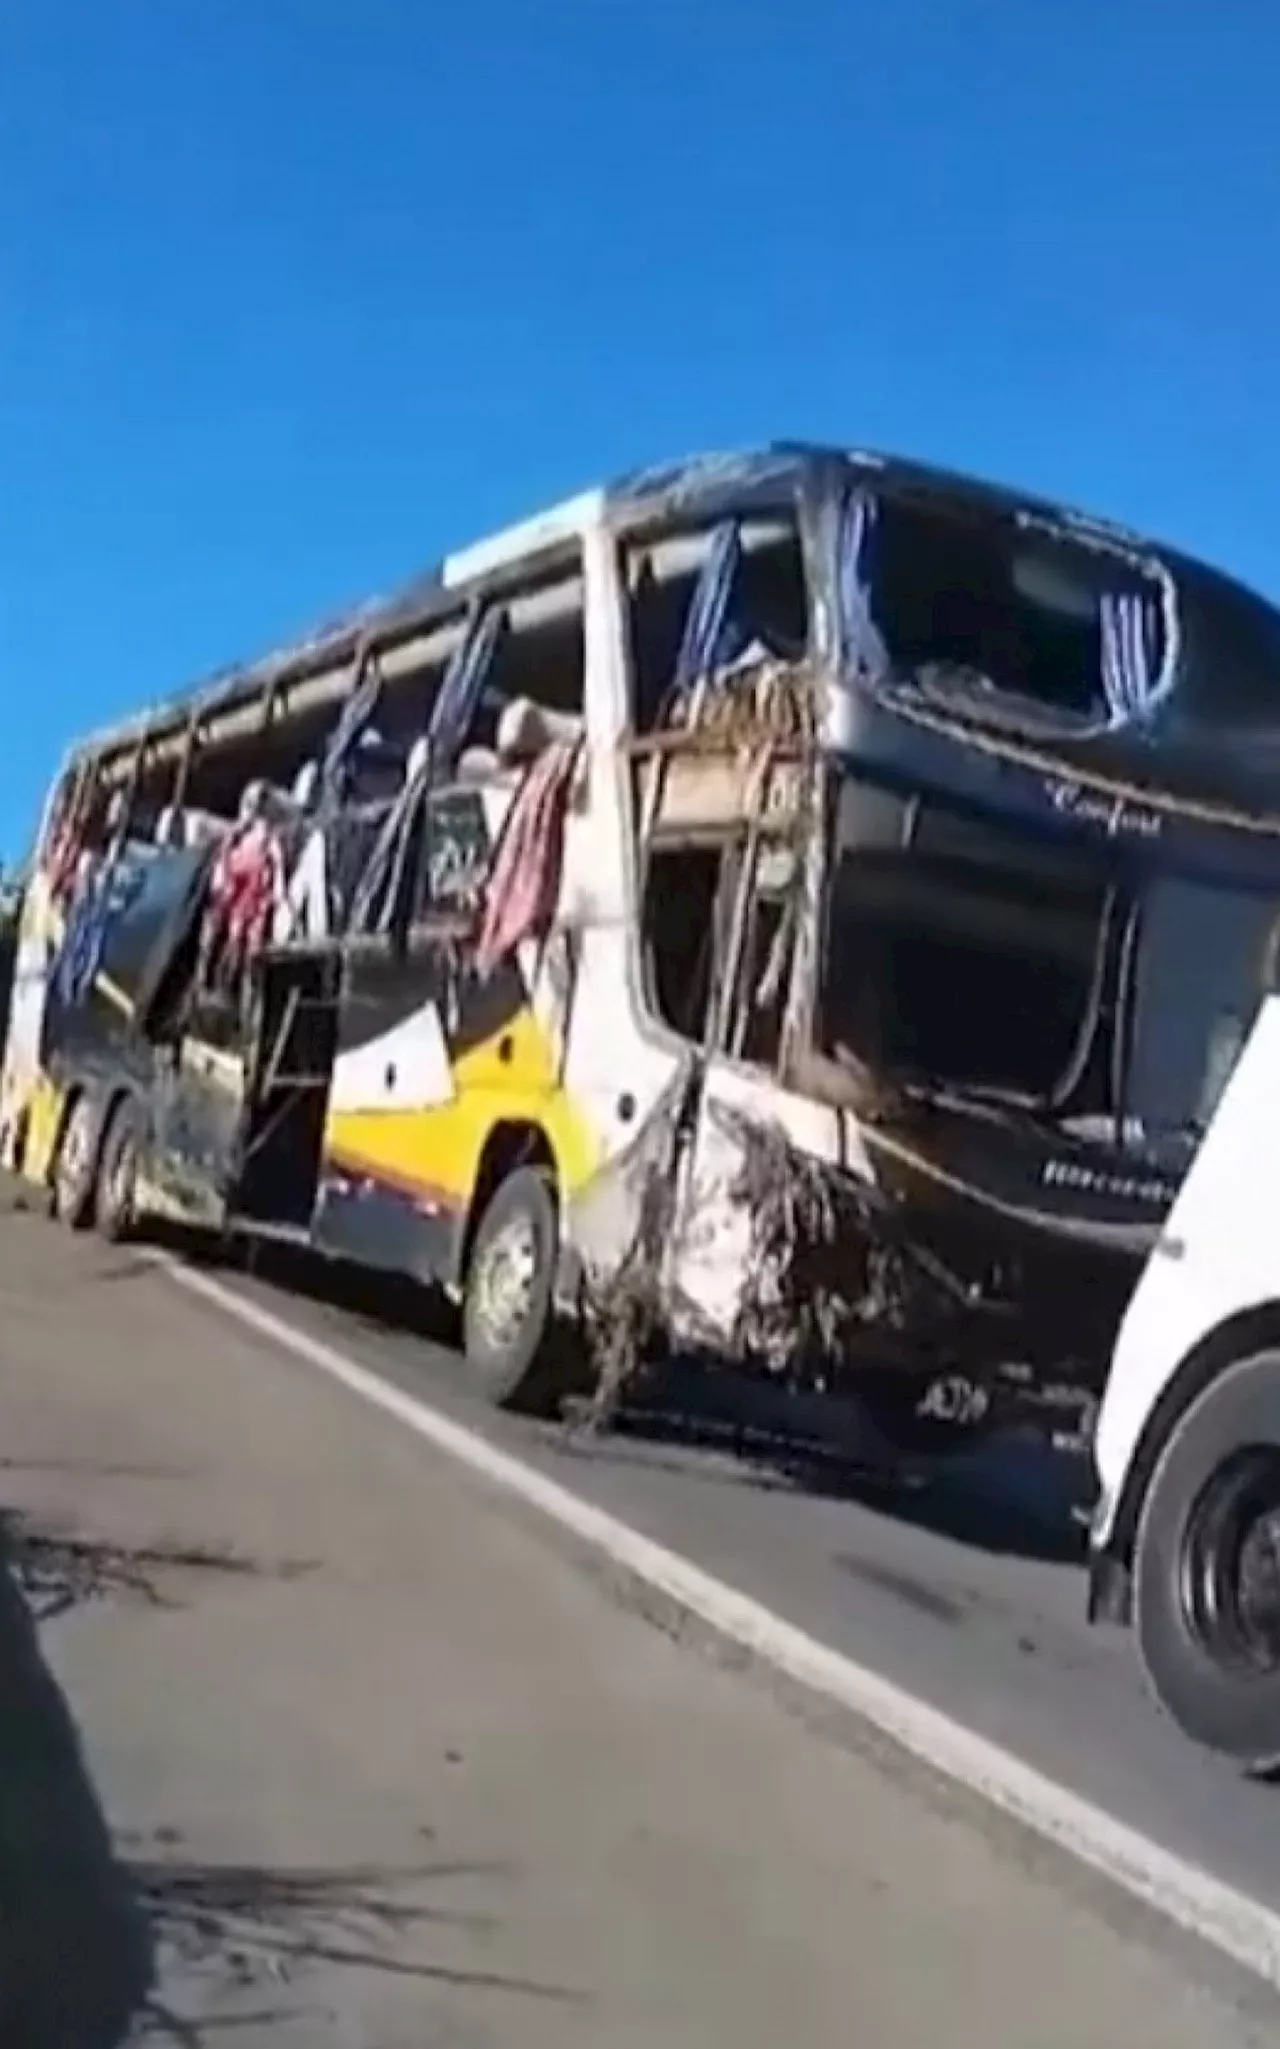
(796, 909)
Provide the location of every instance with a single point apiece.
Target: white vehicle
(1186, 1534)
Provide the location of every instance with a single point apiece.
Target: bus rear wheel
(1206, 1567)
(508, 1306)
(75, 1166)
(116, 1190)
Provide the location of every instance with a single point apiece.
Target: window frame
(1009, 533)
(688, 536)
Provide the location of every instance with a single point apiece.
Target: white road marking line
(1241, 1928)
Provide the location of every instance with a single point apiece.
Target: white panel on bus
(406, 1068)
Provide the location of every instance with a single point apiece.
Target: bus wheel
(507, 1298)
(115, 1198)
(75, 1167)
(1206, 1567)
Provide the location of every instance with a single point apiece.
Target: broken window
(346, 786)
(1011, 619)
(682, 935)
(533, 686)
(965, 955)
(753, 1026)
(702, 601)
(516, 689)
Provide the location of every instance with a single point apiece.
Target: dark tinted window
(1201, 965)
(980, 611)
(959, 953)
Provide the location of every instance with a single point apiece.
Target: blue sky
(296, 294)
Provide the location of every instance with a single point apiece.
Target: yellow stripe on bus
(511, 1077)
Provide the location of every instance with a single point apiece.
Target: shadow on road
(1015, 1496)
(75, 1948)
(228, 1931)
(103, 1946)
(56, 1569)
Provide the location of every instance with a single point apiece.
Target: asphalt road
(971, 1596)
(307, 1735)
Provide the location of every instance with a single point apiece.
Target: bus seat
(184, 826)
(477, 764)
(260, 799)
(526, 729)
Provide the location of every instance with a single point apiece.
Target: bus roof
(702, 483)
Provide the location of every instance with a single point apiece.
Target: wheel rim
(503, 1281)
(1230, 1567)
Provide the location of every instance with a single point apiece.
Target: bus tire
(116, 1192)
(508, 1336)
(75, 1165)
(1206, 1567)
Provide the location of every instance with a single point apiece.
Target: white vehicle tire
(1206, 1566)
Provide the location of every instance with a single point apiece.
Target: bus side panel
(430, 1061)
